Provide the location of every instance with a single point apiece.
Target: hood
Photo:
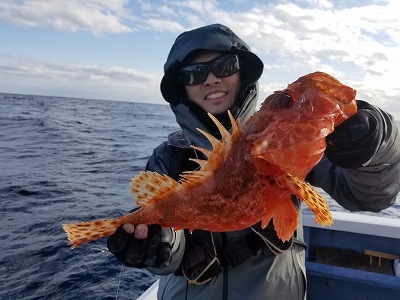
(215, 37)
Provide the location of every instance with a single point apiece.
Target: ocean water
(64, 160)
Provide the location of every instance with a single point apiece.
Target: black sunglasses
(222, 66)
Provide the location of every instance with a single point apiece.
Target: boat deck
(352, 259)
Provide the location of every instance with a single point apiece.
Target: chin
(216, 110)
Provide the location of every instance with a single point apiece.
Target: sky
(116, 49)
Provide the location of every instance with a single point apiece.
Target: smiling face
(214, 95)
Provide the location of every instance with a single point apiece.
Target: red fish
(250, 174)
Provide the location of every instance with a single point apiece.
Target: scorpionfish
(250, 174)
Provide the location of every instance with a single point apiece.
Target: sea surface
(64, 160)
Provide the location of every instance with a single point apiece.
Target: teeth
(215, 96)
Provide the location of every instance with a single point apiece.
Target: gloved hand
(356, 140)
(132, 246)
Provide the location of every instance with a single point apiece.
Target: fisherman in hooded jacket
(360, 170)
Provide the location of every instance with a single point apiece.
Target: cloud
(77, 80)
(359, 44)
(164, 25)
(72, 15)
(356, 41)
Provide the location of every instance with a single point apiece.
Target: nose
(212, 79)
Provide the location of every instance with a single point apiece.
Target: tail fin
(81, 233)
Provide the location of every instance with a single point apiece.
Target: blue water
(65, 160)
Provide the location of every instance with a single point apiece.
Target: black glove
(153, 251)
(200, 263)
(357, 139)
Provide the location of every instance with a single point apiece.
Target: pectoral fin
(297, 187)
(310, 196)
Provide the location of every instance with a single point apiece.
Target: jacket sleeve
(372, 187)
(158, 161)
(171, 157)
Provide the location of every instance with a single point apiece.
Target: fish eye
(281, 100)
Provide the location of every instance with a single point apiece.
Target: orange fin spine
(199, 174)
(236, 127)
(311, 197)
(208, 153)
(207, 167)
(148, 186)
(216, 157)
(81, 233)
(212, 162)
(216, 144)
(228, 138)
(225, 134)
(193, 179)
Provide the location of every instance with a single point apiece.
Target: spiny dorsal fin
(220, 150)
(310, 196)
(148, 186)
